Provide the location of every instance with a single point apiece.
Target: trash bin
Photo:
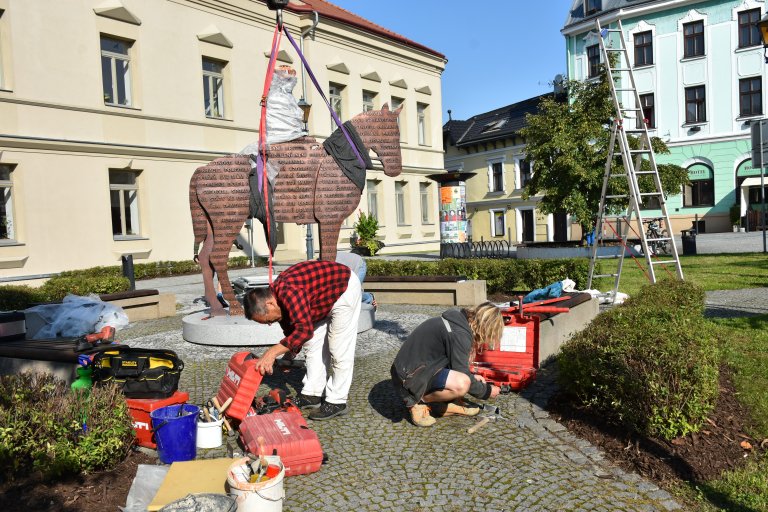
(689, 242)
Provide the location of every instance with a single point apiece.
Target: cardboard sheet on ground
(192, 477)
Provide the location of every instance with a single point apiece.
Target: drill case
(241, 381)
(285, 434)
(514, 362)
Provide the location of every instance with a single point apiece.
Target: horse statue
(310, 187)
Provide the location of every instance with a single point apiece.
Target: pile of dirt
(722, 443)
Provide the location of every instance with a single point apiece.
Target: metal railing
(493, 249)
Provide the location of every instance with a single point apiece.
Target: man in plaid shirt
(318, 305)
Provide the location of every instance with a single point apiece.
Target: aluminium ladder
(612, 44)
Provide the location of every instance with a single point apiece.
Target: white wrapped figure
(284, 117)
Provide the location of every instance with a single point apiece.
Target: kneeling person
(318, 306)
(431, 370)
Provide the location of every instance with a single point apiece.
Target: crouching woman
(431, 370)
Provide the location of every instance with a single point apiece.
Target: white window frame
(492, 213)
(7, 200)
(213, 102)
(122, 188)
(2, 72)
(369, 100)
(422, 123)
(336, 100)
(113, 58)
(401, 201)
(372, 195)
(424, 194)
(491, 162)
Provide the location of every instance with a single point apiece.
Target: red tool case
(140, 409)
(514, 362)
(241, 381)
(285, 434)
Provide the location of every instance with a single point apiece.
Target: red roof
(335, 12)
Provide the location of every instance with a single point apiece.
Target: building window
(213, 87)
(498, 222)
(115, 71)
(749, 34)
(424, 196)
(592, 6)
(593, 60)
(334, 98)
(750, 96)
(421, 122)
(396, 103)
(7, 227)
(2, 76)
(649, 114)
(368, 98)
(124, 200)
(373, 201)
(496, 175)
(525, 172)
(695, 107)
(701, 191)
(693, 39)
(644, 49)
(400, 202)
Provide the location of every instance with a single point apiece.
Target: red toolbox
(515, 360)
(241, 381)
(140, 409)
(285, 434)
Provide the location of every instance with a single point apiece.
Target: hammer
(221, 409)
(495, 414)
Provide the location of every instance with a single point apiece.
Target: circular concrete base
(239, 332)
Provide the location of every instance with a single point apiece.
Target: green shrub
(648, 365)
(56, 288)
(45, 426)
(501, 276)
(15, 297)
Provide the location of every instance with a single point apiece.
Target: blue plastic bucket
(175, 429)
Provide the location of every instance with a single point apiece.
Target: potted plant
(735, 216)
(363, 240)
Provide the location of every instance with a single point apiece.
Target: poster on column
(453, 213)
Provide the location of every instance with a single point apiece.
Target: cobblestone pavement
(379, 461)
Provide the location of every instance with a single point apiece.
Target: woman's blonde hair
(487, 325)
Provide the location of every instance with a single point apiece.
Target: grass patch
(709, 271)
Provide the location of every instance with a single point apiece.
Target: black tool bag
(142, 373)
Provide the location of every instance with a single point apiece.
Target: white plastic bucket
(264, 496)
(209, 434)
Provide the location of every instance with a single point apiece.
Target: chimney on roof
(449, 115)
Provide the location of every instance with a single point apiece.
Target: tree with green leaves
(568, 141)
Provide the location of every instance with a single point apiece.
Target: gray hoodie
(441, 342)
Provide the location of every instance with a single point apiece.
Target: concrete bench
(438, 290)
(143, 304)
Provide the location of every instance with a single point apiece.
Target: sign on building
(759, 142)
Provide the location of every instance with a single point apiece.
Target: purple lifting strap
(327, 104)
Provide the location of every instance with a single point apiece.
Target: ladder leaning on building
(613, 50)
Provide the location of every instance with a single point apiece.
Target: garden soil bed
(98, 491)
(722, 443)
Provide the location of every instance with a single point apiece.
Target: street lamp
(305, 108)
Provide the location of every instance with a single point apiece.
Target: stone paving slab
(379, 461)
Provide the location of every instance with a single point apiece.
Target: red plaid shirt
(306, 292)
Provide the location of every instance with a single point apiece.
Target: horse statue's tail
(199, 219)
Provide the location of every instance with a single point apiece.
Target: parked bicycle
(655, 231)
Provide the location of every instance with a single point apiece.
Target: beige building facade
(108, 106)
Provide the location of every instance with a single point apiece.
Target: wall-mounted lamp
(762, 25)
(695, 129)
(305, 108)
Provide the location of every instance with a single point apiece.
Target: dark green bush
(56, 288)
(15, 297)
(650, 365)
(45, 426)
(501, 276)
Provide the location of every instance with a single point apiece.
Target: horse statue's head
(380, 132)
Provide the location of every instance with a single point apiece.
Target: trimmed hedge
(501, 276)
(651, 364)
(98, 280)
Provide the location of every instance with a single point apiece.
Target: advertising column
(453, 210)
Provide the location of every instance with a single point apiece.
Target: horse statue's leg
(225, 231)
(203, 235)
(329, 238)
